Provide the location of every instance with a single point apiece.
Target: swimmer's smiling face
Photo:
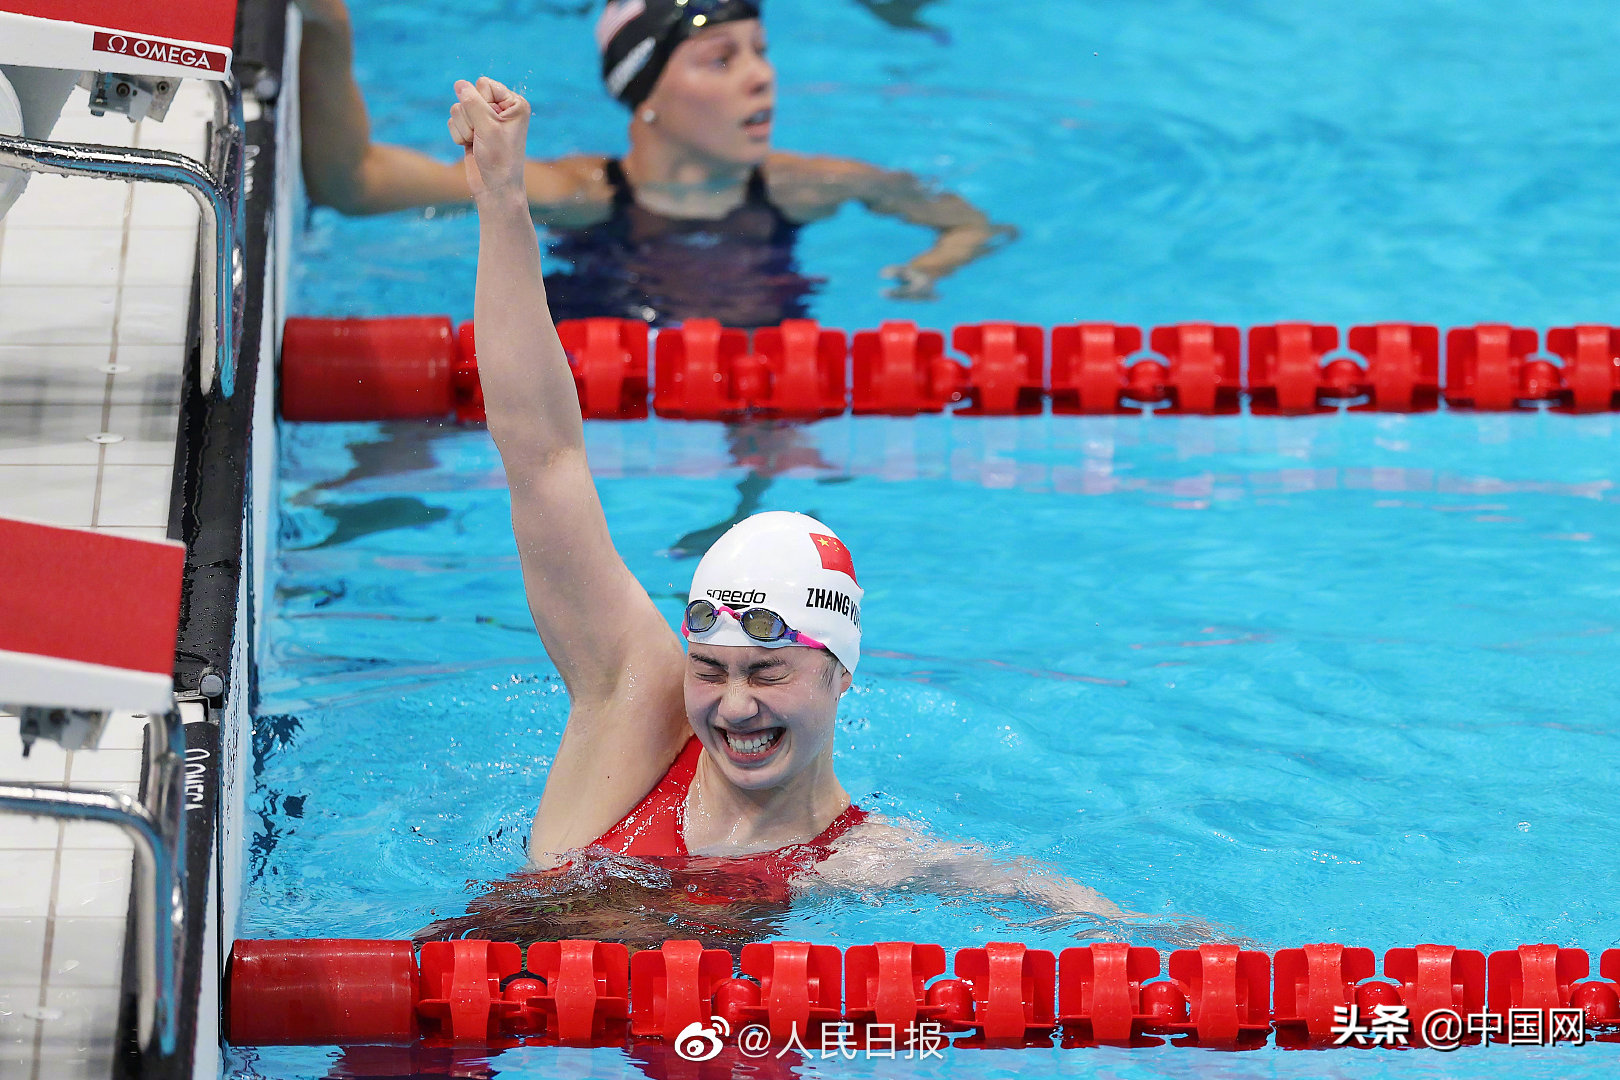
(717, 94)
(763, 714)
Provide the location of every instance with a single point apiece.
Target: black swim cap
(637, 37)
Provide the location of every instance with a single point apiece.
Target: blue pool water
(1243, 161)
(1338, 678)
(1342, 678)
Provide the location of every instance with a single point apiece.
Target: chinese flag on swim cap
(834, 555)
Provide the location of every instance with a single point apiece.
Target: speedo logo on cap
(628, 68)
(833, 600)
(737, 596)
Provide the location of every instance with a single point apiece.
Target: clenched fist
(491, 123)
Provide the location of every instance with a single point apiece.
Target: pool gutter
(223, 487)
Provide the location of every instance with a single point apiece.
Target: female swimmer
(723, 748)
(698, 219)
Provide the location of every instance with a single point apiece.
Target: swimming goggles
(761, 624)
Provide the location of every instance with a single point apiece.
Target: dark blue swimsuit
(739, 269)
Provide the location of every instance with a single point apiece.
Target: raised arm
(813, 187)
(622, 664)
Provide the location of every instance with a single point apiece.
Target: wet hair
(637, 38)
(835, 667)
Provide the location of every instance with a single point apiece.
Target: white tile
(154, 314)
(160, 257)
(15, 998)
(55, 494)
(149, 432)
(135, 495)
(27, 875)
(195, 98)
(61, 257)
(46, 762)
(22, 951)
(17, 1046)
(124, 730)
(18, 832)
(17, 1031)
(56, 315)
(149, 374)
(87, 952)
(66, 1062)
(176, 136)
(162, 206)
(93, 767)
(183, 131)
(77, 1023)
(135, 532)
(95, 836)
(94, 883)
(79, 202)
(53, 374)
(49, 434)
(77, 125)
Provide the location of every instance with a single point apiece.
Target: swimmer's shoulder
(570, 192)
(808, 187)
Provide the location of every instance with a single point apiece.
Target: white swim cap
(791, 564)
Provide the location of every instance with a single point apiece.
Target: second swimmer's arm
(343, 168)
(965, 232)
(813, 187)
(346, 170)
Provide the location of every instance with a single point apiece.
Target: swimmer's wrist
(505, 197)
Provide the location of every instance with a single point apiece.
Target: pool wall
(225, 483)
(278, 201)
(106, 425)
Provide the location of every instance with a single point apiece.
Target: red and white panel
(172, 38)
(88, 620)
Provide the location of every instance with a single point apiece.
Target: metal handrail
(162, 858)
(219, 225)
(227, 158)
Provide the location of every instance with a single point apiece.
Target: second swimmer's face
(717, 94)
(763, 714)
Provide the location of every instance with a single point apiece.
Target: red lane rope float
(368, 369)
(1403, 366)
(1489, 367)
(401, 368)
(609, 361)
(900, 370)
(1006, 374)
(1204, 375)
(495, 994)
(1088, 367)
(323, 992)
(1286, 374)
(696, 372)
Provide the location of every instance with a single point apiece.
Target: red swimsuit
(655, 829)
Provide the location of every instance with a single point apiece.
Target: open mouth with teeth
(758, 122)
(753, 746)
